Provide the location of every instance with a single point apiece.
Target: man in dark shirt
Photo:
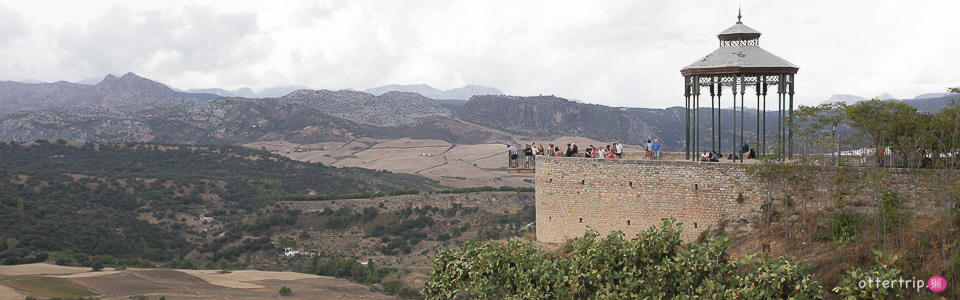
(527, 156)
(745, 149)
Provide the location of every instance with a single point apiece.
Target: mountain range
(930, 102)
(462, 93)
(135, 109)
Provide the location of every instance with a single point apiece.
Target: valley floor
(45, 280)
(453, 165)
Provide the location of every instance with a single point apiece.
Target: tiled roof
(740, 56)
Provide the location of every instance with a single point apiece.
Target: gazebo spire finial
(739, 16)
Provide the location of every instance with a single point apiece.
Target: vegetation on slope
(652, 265)
(98, 198)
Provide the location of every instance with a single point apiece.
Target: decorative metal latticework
(750, 42)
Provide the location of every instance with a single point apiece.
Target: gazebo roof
(739, 31)
(739, 53)
(740, 59)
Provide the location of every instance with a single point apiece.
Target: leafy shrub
(653, 265)
(894, 216)
(849, 288)
(97, 266)
(285, 291)
(844, 228)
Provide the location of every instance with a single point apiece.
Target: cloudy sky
(618, 53)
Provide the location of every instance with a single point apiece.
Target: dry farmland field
(455, 165)
(47, 281)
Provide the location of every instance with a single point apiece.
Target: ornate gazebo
(739, 64)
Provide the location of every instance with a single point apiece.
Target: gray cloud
(197, 39)
(619, 53)
(12, 26)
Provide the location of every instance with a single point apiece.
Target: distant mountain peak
(110, 77)
(885, 96)
(931, 95)
(461, 93)
(842, 98)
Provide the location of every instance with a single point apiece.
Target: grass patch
(50, 287)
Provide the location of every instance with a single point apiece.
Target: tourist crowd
(529, 152)
(713, 156)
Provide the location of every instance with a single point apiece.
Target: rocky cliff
(391, 109)
(549, 117)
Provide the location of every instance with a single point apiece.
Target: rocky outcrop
(129, 93)
(78, 123)
(548, 116)
(393, 109)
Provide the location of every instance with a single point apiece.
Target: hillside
(392, 109)
(113, 198)
(226, 207)
(548, 116)
(128, 93)
(302, 117)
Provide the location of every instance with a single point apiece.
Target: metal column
(686, 109)
(734, 139)
(763, 146)
(757, 141)
(790, 91)
(743, 89)
(713, 121)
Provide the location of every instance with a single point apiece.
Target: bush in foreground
(653, 265)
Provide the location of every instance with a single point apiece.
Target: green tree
(12, 243)
(881, 120)
(285, 291)
(883, 270)
(97, 266)
(817, 125)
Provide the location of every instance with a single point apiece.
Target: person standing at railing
(512, 152)
(537, 151)
(618, 149)
(649, 147)
(527, 155)
(656, 148)
(556, 151)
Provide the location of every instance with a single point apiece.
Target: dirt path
(7, 292)
(41, 269)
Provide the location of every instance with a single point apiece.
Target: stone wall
(573, 194)
(499, 202)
